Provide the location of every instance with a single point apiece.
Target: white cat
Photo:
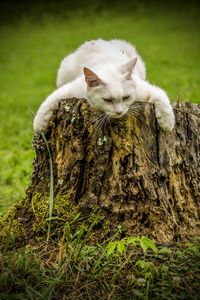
(111, 76)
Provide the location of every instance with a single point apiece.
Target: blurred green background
(35, 37)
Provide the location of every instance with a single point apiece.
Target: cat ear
(91, 78)
(127, 69)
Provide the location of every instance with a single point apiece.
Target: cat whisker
(107, 119)
(104, 121)
(101, 121)
(96, 119)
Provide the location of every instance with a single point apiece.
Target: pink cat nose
(119, 113)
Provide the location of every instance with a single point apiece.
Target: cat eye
(126, 98)
(107, 100)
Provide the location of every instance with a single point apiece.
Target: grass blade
(67, 229)
(51, 195)
(88, 233)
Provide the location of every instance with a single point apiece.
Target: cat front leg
(157, 96)
(44, 114)
(73, 89)
(163, 110)
(46, 109)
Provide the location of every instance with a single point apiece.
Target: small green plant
(130, 268)
(144, 242)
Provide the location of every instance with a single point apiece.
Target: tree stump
(142, 179)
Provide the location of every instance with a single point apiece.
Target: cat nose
(119, 113)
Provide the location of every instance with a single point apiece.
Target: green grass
(31, 51)
(131, 268)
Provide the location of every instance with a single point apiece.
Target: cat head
(112, 90)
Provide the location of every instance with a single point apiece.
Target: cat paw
(41, 122)
(166, 119)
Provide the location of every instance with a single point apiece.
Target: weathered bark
(143, 179)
